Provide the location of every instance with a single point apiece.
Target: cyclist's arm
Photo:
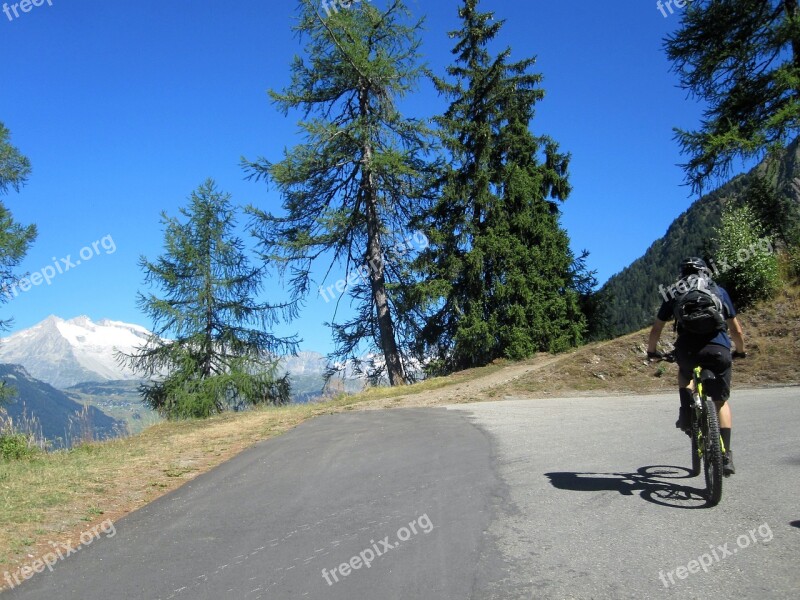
(655, 335)
(735, 329)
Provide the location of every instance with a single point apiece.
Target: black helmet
(692, 266)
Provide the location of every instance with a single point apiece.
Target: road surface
(557, 498)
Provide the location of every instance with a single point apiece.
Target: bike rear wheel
(712, 454)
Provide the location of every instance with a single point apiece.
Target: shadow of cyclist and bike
(659, 484)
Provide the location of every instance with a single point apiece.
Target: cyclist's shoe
(684, 422)
(727, 464)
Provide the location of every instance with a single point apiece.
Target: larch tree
(15, 239)
(742, 59)
(211, 348)
(352, 185)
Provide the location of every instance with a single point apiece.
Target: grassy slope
(620, 366)
(58, 496)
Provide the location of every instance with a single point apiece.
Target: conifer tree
(211, 348)
(351, 186)
(15, 239)
(498, 278)
(742, 58)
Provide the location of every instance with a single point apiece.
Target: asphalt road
(558, 498)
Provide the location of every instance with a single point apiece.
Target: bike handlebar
(670, 356)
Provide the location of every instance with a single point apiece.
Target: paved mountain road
(556, 498)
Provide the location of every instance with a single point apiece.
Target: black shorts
(714, 357)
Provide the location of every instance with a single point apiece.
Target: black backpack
(699, 309)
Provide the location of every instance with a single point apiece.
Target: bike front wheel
(696, 451)
(712, 454)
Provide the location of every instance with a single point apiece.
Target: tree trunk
(394, 366)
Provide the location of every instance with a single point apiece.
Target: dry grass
(620, 366)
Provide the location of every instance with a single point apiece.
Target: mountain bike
(707, 445)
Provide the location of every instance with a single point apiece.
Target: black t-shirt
(667, 313)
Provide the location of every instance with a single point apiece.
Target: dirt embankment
(620, 366)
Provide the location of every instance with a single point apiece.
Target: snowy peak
(82, 332)
(66, 352)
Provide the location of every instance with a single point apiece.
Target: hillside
(118, 399)
(634, 291)
(59, 418)
(772, 337)
(620, 366)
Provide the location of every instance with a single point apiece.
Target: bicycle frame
(698, 404)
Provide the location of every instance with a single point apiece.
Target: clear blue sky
(125, 107)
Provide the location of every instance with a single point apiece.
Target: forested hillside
(633, 294)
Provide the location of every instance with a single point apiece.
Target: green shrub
(746, 256)
(16, 442)
(14, 446)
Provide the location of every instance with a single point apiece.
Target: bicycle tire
(696, 458)
(712, 454)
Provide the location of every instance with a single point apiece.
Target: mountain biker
(710, 351)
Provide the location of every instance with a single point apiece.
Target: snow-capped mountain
(64, 353)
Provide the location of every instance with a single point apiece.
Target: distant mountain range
(42, 409)
(60, 366)
(66, 353)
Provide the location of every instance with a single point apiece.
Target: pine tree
(349, 189)
(497, 279)
(15, 239)
(210, 349)
(742, 58)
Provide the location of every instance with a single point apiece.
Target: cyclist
(710, 351)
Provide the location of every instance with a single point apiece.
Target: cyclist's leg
(685, 361)
(718, 359)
